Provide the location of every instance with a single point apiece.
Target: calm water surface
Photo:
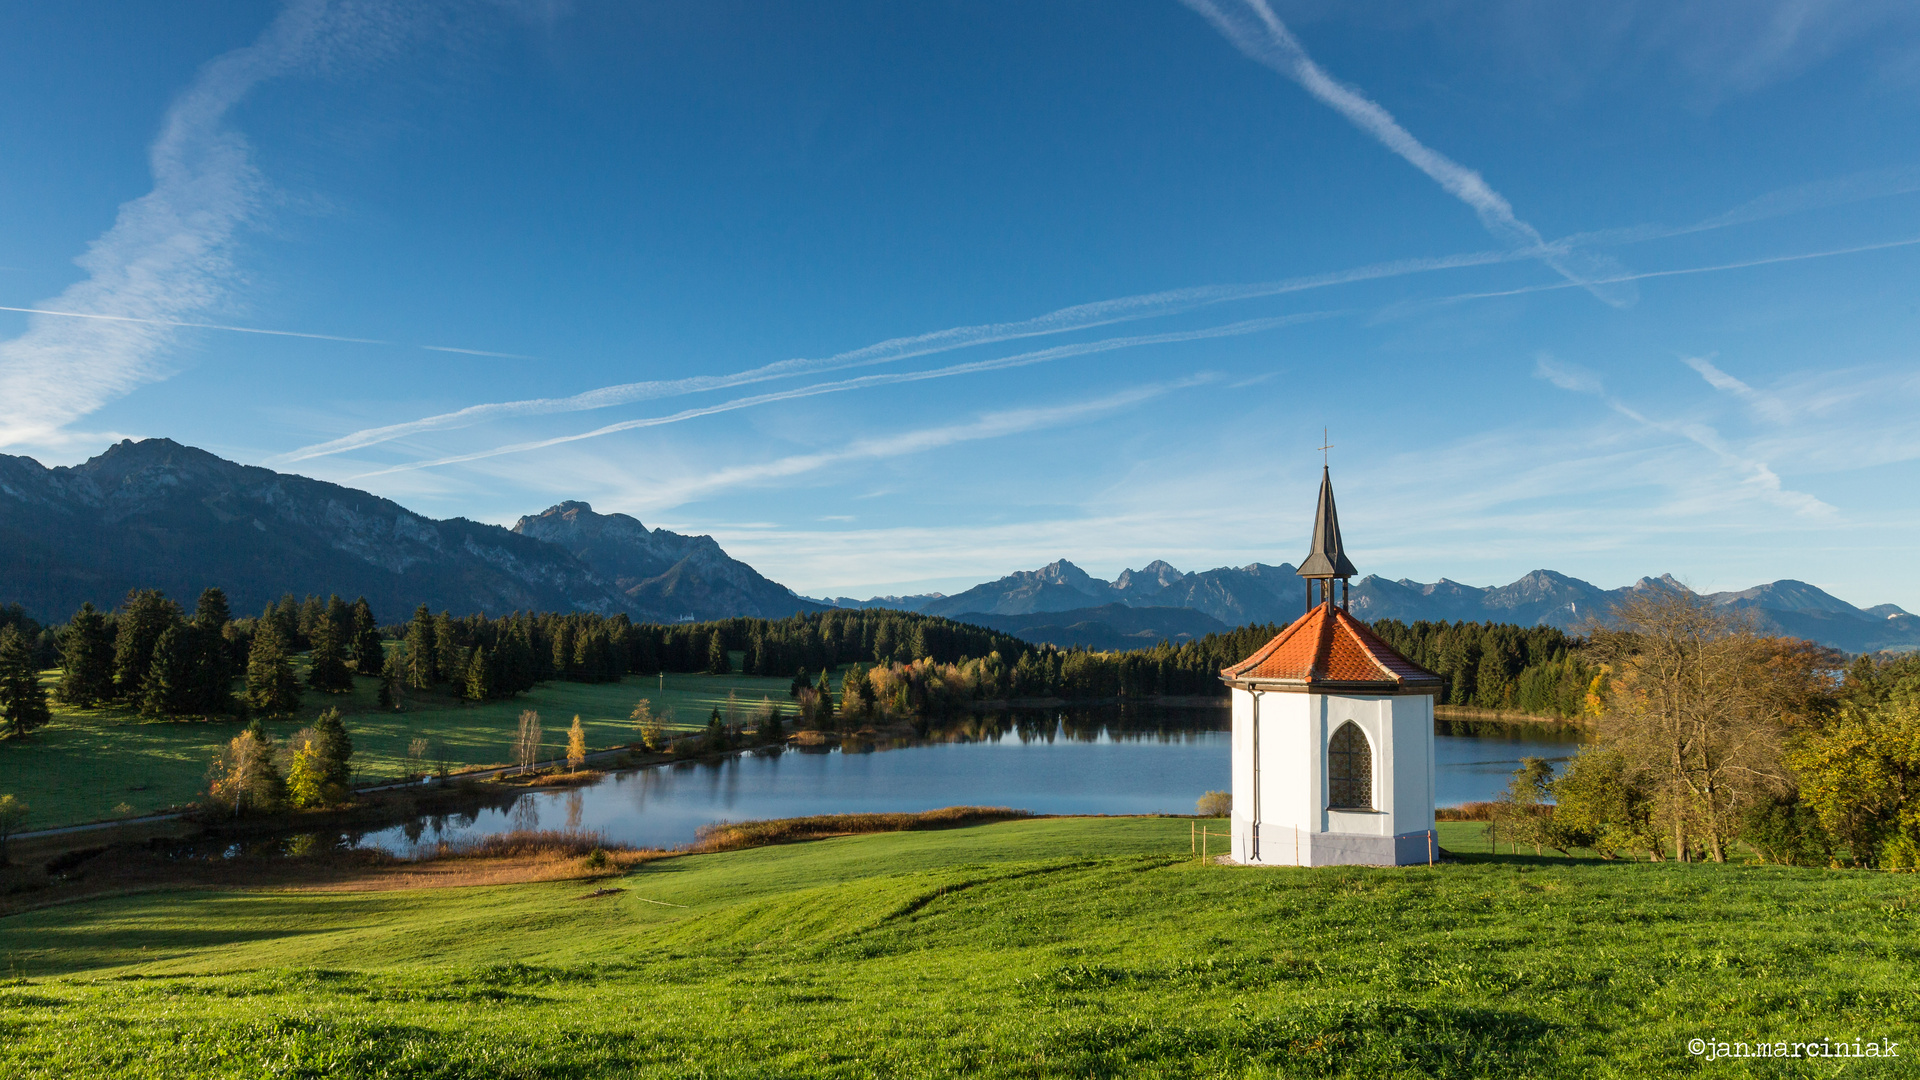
(1087, 762)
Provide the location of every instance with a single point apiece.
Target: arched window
(1349, 770)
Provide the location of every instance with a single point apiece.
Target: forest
(152, 655)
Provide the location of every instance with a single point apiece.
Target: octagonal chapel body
(1333, 755)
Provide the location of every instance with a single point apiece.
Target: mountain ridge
(1257, 592)
(159, 514)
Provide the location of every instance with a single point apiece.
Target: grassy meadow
(1051, 947)
(97, 764)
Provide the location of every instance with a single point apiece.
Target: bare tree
(526, 745)
(1699, 707)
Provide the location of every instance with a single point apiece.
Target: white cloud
(169, 255)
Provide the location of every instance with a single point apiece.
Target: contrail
(1250, 326)
(1769, 260)
(1065, 320)
(987, 426)
(203, 326)
(1259, 34)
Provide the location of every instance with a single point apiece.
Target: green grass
(87, 762)
(1065, 947)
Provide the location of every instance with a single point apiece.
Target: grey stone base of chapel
(1277, 848)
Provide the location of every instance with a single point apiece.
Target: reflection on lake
(1115, 760)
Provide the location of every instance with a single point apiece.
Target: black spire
(1328, 559)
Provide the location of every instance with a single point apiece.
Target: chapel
(1332, 733)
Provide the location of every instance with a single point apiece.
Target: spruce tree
(169, 688)
(451, 663)
(718, 662)
(271, 686)
(479, 678)
(23, 702)
(326, 667)
(824, 695)
(335, 748)
(143, 618)
(423, 649)
(368, 658)
(86, 659)
(212, 612)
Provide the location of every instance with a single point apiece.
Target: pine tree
(86, 660)
(143, 618)
(367, 650)
(334, 748)
(271, 686)
(169, 688)
(824, 696)
(451, 662)
(423, 649)
(212, 613)
(479, 678)
(718, 662)
(23, 702)
(210, 675)
(326, 667)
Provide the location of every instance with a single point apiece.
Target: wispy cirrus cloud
(1253, 28)
(1026, 359)
(1079, 317)
(1757, 477)
(992, 425)
(169, 256)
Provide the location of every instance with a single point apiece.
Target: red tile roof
(1328, 648)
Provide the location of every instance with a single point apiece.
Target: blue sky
(892, 297)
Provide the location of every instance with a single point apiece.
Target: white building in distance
(1332, 734)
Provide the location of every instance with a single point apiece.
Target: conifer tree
(479, 678)
(367, 651)
(326, 666)
(212, 612)
(86, 659)
(718, 662)
(563, 651)
(143, 618)
(334, 748)
(169, 688)
(423, 649)
(451, 663)
(824, 695)
(271, 686)
(23, 702)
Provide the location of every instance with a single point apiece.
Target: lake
(1089, 761)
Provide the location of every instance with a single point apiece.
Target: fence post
(1193, 844)
(1429, 848)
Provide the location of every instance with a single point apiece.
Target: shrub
(1215, 804)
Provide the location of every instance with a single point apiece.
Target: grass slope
(88, 762)
(1064, 947)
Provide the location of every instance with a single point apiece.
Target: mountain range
(1049, 603)
(156, 514)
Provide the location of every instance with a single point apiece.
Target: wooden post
(1429, 848)
(1191, 842)
(1296, 845)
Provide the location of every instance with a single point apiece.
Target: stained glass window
(1349, 770)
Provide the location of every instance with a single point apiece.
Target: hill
(156, 514)
(1054, 947)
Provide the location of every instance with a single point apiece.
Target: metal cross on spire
(1326, 445)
